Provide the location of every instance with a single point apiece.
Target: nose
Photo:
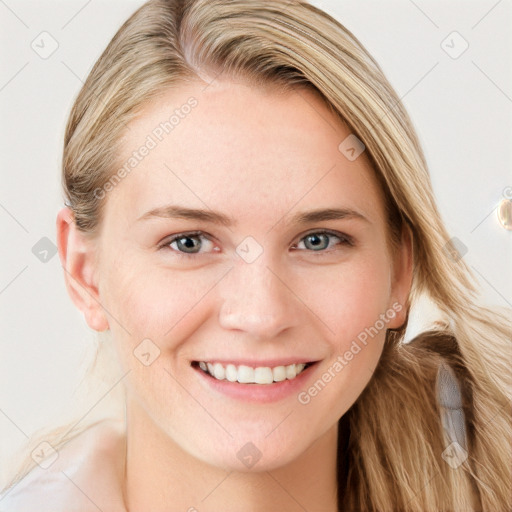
(257, 301)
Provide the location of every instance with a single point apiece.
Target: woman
(250, 218)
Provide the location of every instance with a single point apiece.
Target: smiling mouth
(247, 375)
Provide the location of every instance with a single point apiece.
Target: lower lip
(259, 393)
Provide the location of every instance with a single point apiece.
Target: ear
(77, 254)
(403, 259)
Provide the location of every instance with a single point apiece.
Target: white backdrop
(449, 61)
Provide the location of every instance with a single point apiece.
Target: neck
(162, 477)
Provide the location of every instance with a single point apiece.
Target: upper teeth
(247, 375)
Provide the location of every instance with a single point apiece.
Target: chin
(246, 456)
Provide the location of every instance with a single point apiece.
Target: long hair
(392, 442)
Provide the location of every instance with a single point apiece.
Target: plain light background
(461, 107)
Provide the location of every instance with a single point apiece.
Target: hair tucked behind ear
(391, 440)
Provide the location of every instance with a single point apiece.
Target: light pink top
(87, 476)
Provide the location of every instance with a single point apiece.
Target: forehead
(235, 147)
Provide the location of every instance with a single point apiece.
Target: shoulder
(85, 474)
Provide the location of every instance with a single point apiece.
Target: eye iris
(316, 242)
(188, 244)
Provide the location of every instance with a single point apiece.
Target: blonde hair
(391, 441)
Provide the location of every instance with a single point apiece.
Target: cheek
(152, 315)
(350, 299)
(153, 302)
(356, 313)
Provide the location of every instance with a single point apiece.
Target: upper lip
(272, 363)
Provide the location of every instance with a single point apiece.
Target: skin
(259, 157)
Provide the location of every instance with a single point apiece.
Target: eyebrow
(308, 217)
(327, 214)
(181, 212)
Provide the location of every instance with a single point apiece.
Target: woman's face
(247, 233)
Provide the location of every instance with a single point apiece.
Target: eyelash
(344, 240)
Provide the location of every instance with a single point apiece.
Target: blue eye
(189, 243)
(319, 241)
